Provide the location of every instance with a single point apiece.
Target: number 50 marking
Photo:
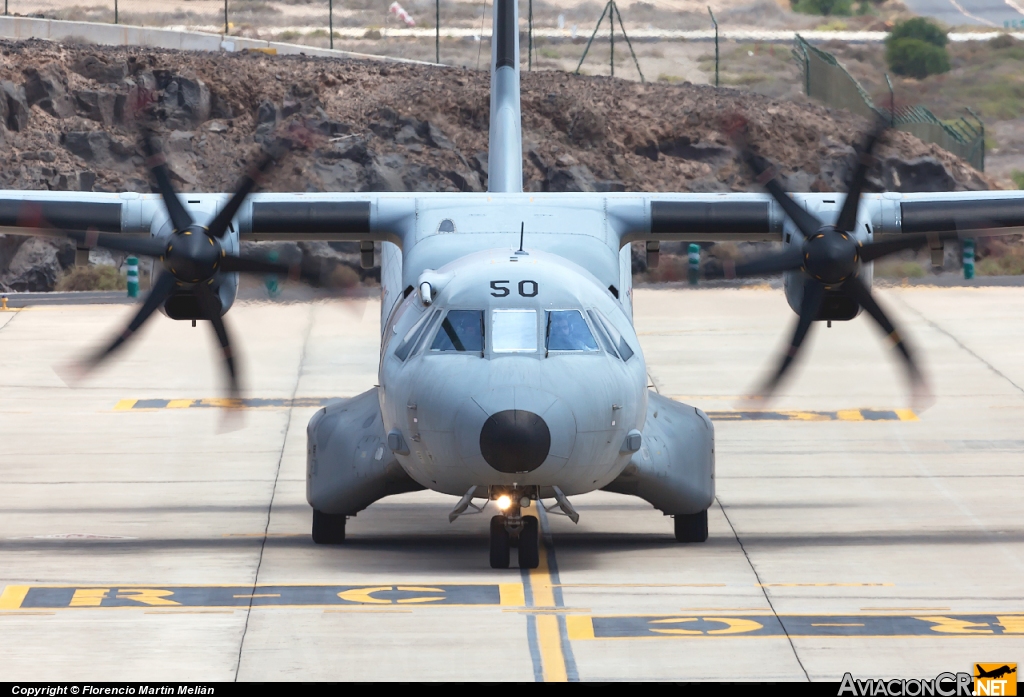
(527, 289)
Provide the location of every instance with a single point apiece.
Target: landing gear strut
(513, 529)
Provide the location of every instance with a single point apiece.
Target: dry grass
(92, 278)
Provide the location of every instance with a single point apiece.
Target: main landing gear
(513, 529)
(692, 528)
(328, 529)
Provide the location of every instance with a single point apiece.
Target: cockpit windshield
(513, 331)
(568, 331)
(461, 330)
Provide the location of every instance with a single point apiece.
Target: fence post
(892, 102)
(226, 17)
(437, 31)
(715, 23)
(330, 21)
(611, 35)
(529, 39)
(115, 10)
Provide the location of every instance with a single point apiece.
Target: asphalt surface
(849, 533)
(991, 13)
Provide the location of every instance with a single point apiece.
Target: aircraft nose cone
(514, 441)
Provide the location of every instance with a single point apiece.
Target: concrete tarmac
(849, 534)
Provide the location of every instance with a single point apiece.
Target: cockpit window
(513, 331)
(613, 342)
(412, 339)
(461, 330)
(568, 331)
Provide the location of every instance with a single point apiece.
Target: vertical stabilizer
(505, 149)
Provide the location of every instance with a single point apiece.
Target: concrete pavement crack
(764, 590)
(273, 493)
(959, 343)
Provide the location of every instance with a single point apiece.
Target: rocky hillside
(68, 123)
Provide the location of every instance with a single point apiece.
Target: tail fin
(505, 150)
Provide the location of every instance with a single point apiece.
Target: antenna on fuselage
(522, 230)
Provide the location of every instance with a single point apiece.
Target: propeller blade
(157, 295)
(210, 306)
(767, 176)
(856, 289)
(769, 264)
(157, 165)
(219, 225)
(876, 250)
(810, 305)
(848, 215)
(233, 264)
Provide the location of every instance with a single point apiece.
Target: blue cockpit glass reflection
(568, 331)
(461, 330)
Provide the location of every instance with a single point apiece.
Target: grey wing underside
(404, 218)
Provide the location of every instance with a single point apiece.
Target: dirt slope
(67, 115)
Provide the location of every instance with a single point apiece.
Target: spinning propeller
(830, 258)
(192, 256)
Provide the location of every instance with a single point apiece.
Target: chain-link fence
(827, 80)
(216, 16)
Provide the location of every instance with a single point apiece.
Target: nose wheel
(524, 532)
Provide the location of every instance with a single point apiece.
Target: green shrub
(823, 7)
(919, 28)
(1018, 178)
(92, 278)
(916, 58)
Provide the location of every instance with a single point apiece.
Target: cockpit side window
(602, 335)
(417, 332)
(621, 347)
(462, 331)
(566, 330)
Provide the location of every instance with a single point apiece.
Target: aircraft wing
(627, 217)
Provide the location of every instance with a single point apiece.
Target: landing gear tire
(328, 529)
(529, 544)
(499, 543)
(692, 528)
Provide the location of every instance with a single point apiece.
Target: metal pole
(892, 102)
(629, 44)
(330, 21)
(715, 22)
(226, 17)
(115, 10)
(591, 39)
(611, 34)
(529, 40)
(437, 31)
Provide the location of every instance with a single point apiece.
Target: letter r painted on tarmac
(88, 597)
(146, 596)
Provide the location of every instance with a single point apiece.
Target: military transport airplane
(509, 368)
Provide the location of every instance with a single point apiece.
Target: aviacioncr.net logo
(942, 685)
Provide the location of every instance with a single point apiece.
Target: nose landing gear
(513, 529)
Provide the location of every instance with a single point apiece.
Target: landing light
(504, 502)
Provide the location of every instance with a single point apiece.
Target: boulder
(98, 70)
(47, 88)
(918, 174)
(97, 105)
(34, 267)
(97, 147)
(16, 106)
(340, 175)
(185, 102)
